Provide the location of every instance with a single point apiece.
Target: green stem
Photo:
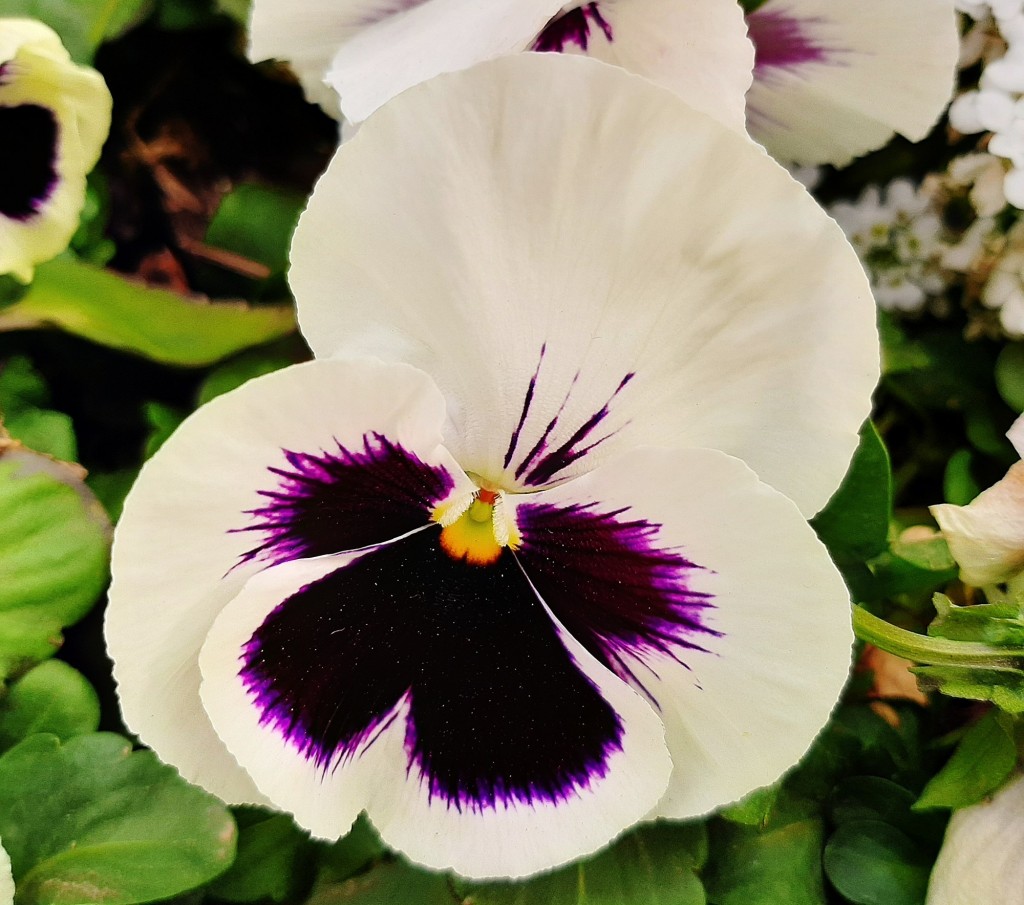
(99, 26)
(925, 649)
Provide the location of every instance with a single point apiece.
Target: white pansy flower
(58, 114)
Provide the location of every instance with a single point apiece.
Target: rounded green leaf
(655, 865)
(1010, 375)
(91, 821)
(54, 542)
(54, 698)
(872, 863)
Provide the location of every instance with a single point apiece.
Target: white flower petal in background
(60, 113)
(980, 861)
(722, 307)
(696, 48)
(367, 51)
(986, 537)
(6, 879)
(834, 79)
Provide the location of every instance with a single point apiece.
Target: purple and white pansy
(54, 116)
(491, 568)
(827, 79)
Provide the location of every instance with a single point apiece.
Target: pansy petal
(980, 857)
(706, 589)
(623, 272)
(834, 79)
(61, 113)
(697, 48)
(430, 38)
(986, 537)
(6, 879)
(438, 695)
(313, 459)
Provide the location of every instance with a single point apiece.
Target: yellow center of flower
(474, 536)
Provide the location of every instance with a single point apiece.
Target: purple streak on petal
(28, 163)
(570, 451)
(498, 711)
(542, 442)
(527, 402)
(611, 583)
(572, 27)
(331, 502)
(782, 41)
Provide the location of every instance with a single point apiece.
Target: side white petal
(426, 40)
(308, 34)
(986, 537)
(38, 72)
(177, 556)
(884, 67)
(621, 234)
(980, 858)
(740, 707)
(6, 879)
(695, 48)
(511, 839)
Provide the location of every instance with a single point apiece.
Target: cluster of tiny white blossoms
(897, 234)
(996, 106)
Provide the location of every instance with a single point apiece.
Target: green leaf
(766, 867)
(992, 623)
(257, 222)
(53, 697)
(655, 865)
(1010, 375)
(167, 327)
(81, 24)
(273, 858)
(981, 763)
(958, 484)
(855, 523)
(873, 863)
(387, 884)
(90, 821)
(755, 809)
(163, 421)
(352, 852)
(23, 399)
(54, 542)
(253, 363)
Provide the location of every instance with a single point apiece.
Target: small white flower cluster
(997, 105)
(897, 235)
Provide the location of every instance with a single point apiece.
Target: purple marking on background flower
(28, 175)
(498, 712)
(612, 585)
(572, 27)
(782, 41)
(345, 500)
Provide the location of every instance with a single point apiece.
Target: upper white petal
(888, 67)
(628, 233)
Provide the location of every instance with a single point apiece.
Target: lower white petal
(6, 879)
(836, 78)
(743, 642)
(345, 683)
